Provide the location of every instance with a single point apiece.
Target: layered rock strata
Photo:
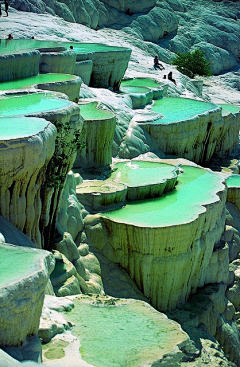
(153, 247)
(22, 291)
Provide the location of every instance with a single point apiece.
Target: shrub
(192, 63)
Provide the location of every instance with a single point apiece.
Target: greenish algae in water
(20, 127)
(33, 80)
(89, 111)
(140, 173)
(54, 349)
(195, 188)
(233, 181)
(177, 109)
(230, 108)
(26, 104)
(121, 336)
(141, 82)
(17, 263)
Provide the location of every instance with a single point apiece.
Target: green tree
(192, 63)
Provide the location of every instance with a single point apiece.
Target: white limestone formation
(22, 293)
(19, 65)
(57, 62)
(69, 87)
(179, 255)
(24, 161)
(97, 137)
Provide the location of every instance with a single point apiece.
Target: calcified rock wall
(69, 125)
(215, 307)
(71, 88)
(23, 165)
(109, 68)
(197, 139)
(58, 62)
(229, 135)
(69, 217)
(84, 70)
(97, 138)
(233, 196)
(19, 65)
(21, 300)
(168, 263)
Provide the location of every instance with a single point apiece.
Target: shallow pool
(134, 90)
(195, 187)
(141, 82)
(20, 127)
(16, 263)
(230, 108)
(140, 173)
(121, 336)
(25, 104)
(177, 109)
(28, 44)
(33, 80)
(89, 111)
(233, 181)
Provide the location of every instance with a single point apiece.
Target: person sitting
(9, 37)
(71, 47)
(171, 78)
(157, 64)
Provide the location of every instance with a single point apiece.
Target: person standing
(6, 6)
(0, 10)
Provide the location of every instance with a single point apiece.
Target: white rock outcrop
(21, 296)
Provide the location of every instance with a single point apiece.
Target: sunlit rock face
(19, 65)
(27, 145)
(163, 243)
(22, 291)
(171, 24)
(97, 136)
(65, 116)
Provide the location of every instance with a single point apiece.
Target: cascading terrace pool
(31, 103)
(176, 109)
(35, 80)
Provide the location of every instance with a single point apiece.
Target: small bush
(192, 63)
